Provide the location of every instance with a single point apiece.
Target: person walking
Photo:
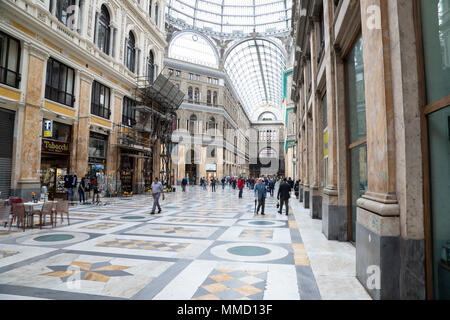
(213, 184)
(284, 193)
(271, 186)
(260, 194)
(240, 186)
(81, 190)
(157, 189)
(223, 183)
(183, 184)
(96, 192)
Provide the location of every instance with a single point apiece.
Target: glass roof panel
(230, 18)
(256, 68)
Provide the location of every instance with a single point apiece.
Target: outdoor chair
(62, 207)
(47, 210)
(18, 211)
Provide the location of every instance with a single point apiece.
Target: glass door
(439, 148)
(357, 133)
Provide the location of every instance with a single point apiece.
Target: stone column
(378, 229)
(81, 140)
(29, 177)
(113, 156)
(181, 162)
(334, 217)
(220, 170)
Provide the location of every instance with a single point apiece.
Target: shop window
(97, 147)
(100, 100)
(9, 60)
(354, 68)
(129, 112)
(59, 85)
(436, 43)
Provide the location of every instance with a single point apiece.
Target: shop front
(127, 170)
(211, 171)
(97, 158)
(55, 159)
(148, 170)
(6, 149)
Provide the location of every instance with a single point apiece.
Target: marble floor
(203, 246)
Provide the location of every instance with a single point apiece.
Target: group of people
(263, 186)
(86, 185)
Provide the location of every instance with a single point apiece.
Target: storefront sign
(211, 167)
(51, 146)
(48, 128)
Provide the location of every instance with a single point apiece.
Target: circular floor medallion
(249, 251)
(262, 223)
(54, 237)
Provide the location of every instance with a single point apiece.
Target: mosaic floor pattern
(203, 246)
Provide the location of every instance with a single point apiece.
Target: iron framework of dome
(231, 19)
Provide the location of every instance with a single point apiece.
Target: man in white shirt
(157, 188)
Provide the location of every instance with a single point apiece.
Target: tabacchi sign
(55, 147)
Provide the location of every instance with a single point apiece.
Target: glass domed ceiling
(231, 18)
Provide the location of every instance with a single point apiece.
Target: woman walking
(81, 190)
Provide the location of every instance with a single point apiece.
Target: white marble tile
(20, 253)
(193, 249)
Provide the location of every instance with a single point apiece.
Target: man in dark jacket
(284, 195)
(183, 184)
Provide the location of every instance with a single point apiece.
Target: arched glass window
(64, 10)
(197, 95)
(190, 94)
(208, 97)
(104, 30)
(150, 7)
(151, 67)
(194, 48)
(192, 124)
(131, 52)
(215, 98)
(156, 13)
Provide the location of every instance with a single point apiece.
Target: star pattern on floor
(174, 230)
(7, 253)
(99, 272)
(144, 245)
(194, 220)
(232, 285)
(257, 233)
(101, 226)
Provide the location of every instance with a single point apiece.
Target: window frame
(128, 112)
(98, 109)
(4, 71)
(50, 89)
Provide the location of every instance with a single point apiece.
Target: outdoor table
(31, 206)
